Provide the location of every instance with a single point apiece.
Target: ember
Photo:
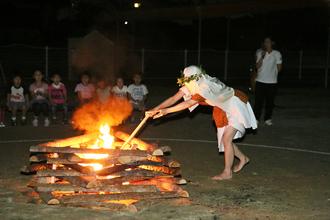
(94, 170)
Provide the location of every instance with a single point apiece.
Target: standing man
(269, 64)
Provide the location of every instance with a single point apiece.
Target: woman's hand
(151, 113)
(161, 113)
(156, 113)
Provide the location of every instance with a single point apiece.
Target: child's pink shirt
(57, 93)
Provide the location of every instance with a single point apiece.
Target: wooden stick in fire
(136, 130)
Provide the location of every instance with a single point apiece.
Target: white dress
(239, 114)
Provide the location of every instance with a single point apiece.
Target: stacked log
(142, 171)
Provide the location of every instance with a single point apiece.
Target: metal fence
(299, 67)
(25, 59)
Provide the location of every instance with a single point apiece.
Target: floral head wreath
(186, 79)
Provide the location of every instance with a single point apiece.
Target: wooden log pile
(140, 171)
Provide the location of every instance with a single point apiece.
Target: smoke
(91, 116)
(104, 58)
(94, 54)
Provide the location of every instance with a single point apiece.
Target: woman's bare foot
(241, 164)
(223, 176)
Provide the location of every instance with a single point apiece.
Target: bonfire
(103, 167)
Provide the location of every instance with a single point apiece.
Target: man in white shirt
(269, 64)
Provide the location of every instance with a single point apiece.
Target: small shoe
(23, 121)
(2, 125)
(13, 122)
(54, 118)
(46, 122)
(35, 122)
(269, 122)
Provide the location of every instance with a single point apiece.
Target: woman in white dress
(231, 111)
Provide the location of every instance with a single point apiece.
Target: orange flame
(90, 117)
(104, 140)
(97, 116)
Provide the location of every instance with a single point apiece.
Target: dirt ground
(288, 176)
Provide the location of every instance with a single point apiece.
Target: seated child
(58, 97)
(120, 90)
(2, 114)
(137, 94)
(17, 99)
(85, 90)
(39, 102)
(2, 117)
(103, 91)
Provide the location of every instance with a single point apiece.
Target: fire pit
(96, 170)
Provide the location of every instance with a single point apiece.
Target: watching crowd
(47, 100)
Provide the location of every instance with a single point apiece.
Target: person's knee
(35, 106)
(227, 140)
(44, 106)
(228, 136)
(226, 145)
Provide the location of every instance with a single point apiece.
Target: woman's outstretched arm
(170, 101)
(179, 107)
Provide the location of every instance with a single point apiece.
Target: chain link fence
(299, 67)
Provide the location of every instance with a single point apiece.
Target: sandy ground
(279, 183)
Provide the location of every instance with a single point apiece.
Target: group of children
(40, 97)
(43, 98)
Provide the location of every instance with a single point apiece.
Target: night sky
(40, 22)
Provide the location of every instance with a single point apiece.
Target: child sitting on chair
(103, 91)
(39, 93)
(137, 94)
(58, 97)
(85, 90)
(2, 113)
(17, 99)
(120, 90)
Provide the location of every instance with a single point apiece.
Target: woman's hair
(85, 74)
(37, 70)
(137, 74)
(271, 39)
(56, 74)
(16, 75)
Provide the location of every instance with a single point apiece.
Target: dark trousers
(40, 107)
(56, 107)
(2, 114)
(264, 95)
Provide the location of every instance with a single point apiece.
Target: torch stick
(136, 130)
